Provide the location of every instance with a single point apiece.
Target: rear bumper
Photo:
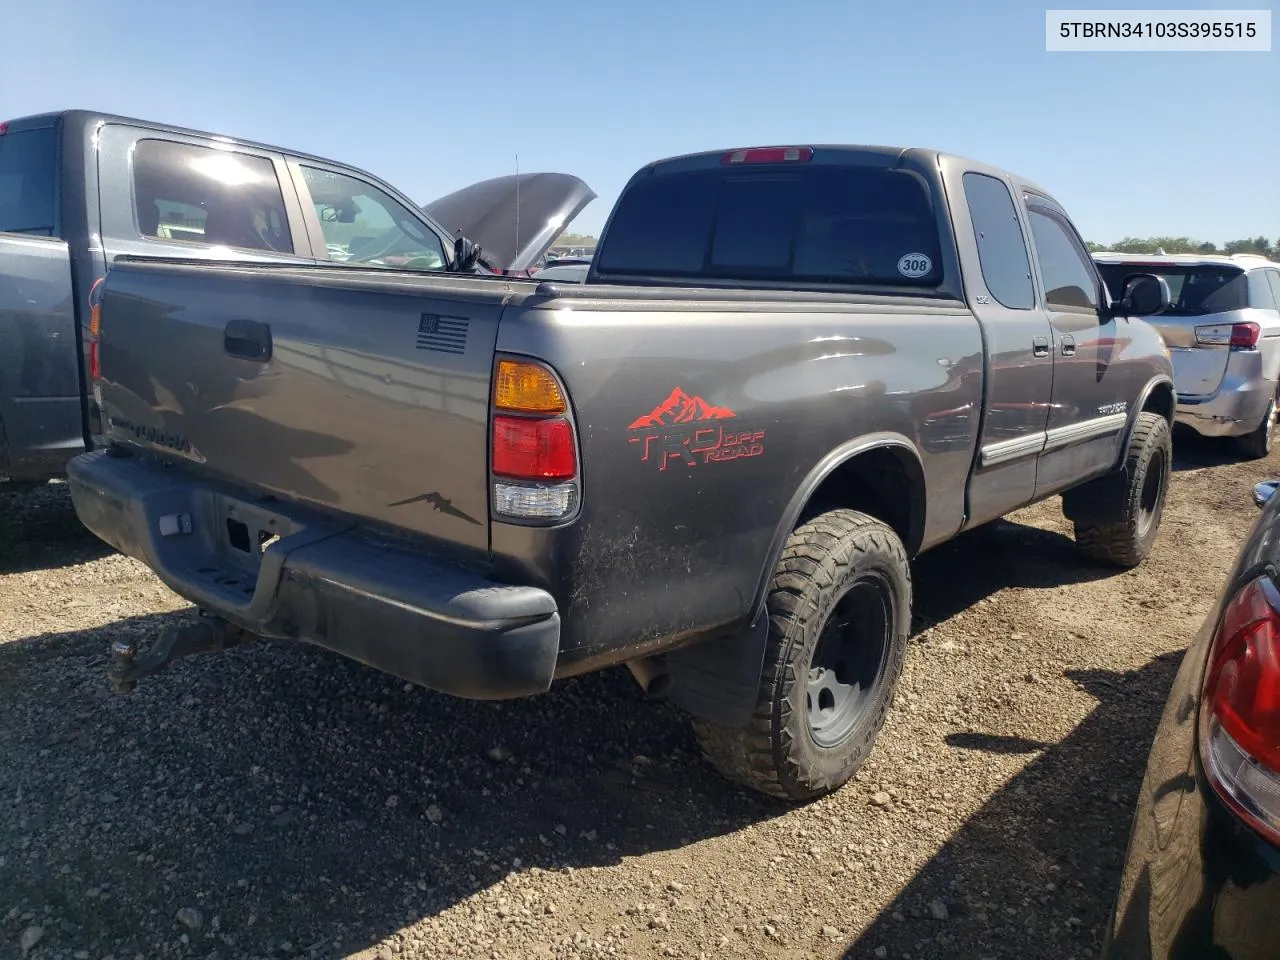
(394, 608)
(1236, 408)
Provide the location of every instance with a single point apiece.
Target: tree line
(1258, 245)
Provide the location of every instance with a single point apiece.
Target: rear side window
(1002, 250)
(1273, 278)
(1195, 290)
(1260, 296)
(208, 196)
(839, 224)
(28, 169)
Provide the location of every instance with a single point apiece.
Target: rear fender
(719, 679)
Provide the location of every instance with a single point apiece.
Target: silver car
(1223, 331)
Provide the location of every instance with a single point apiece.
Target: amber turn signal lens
(527, 388)
(95, 319)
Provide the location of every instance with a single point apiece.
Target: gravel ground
(280, 802)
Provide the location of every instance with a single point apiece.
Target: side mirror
(1263, 492)
(466, 254)
(1145, 295)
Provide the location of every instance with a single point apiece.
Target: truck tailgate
(357, 390)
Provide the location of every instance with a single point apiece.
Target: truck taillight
(1240, 708)
(534, 456)
(95, 327)
(1240, 335)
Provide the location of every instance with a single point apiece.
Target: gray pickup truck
(78, 189)
(788, 371)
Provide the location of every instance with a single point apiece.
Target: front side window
(363, 225)
(1002, 250)
(1068, 281)
(208, 196)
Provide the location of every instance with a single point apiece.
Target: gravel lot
(278, 801)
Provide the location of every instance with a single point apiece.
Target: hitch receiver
(206, 635)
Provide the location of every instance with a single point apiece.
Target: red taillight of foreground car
(1240, 709)
(534, 455)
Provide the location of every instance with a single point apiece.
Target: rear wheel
(839, 616)
(1258, 444)
(1131, 524)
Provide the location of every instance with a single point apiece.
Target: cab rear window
(28, 166)
(841, 224)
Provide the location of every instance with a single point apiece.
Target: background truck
(78, 189)
(789, 370)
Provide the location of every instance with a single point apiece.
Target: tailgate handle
(248, 339)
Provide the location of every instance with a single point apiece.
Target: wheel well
(1160, 400)
(886, 483)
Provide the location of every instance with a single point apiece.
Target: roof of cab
(84, 119)
(890, 154)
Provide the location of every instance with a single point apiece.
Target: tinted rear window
(844, 224)
(1194, 290)
(28, 168)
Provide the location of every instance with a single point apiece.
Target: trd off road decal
(682, 429)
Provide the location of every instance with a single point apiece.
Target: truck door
(1019, 358)
(1090, 393)
(40, 412)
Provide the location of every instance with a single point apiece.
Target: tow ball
(206, 635)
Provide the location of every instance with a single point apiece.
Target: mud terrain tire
(839, 617)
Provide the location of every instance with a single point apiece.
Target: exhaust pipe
(651, 673)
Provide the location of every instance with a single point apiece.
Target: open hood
(513, 236)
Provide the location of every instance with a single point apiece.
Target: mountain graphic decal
(681, 407)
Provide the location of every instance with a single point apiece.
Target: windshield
(1195, 290)
(831, 223)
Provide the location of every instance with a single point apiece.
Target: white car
(1223, 330)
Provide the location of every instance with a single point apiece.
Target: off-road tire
(1127, 540)
(1258, 444)
(824, 559)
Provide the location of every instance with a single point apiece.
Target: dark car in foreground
(1202, 875)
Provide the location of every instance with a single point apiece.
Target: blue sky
(434, 95)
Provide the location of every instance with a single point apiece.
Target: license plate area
(243, 533)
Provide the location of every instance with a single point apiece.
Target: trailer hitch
(207, 635)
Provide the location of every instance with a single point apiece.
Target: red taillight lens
(4, 127)
(95, 328)
(528, 449)
(1240, 709)
(768, 155)
(1245, 334)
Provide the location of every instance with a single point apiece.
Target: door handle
(1040, 346)
(1068, 346)
(248, 340)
